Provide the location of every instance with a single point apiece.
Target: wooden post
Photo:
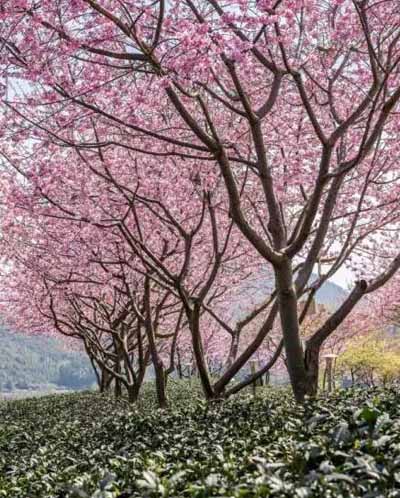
(328, 374)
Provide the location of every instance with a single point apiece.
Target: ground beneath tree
(88, 445)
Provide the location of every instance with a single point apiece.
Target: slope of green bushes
(88, 445)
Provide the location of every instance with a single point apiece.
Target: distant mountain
(257, 288)
(331, 294)
(29, 362)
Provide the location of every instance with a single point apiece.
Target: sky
(343, 277)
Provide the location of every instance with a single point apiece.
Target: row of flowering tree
(192, 142)
(136, 280)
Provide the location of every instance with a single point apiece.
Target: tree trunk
(117, 388)
(193, 316)
(117, 369)
(312, 368)
(117, 381)
(155, 357)
(104, 380)
(158, 368)
(234, 348)
(179, 364)
(160, 385)
(132, 394)
(287, 299)
(133, 389)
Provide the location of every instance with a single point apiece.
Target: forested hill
(37, 362)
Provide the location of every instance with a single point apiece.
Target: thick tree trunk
(117, 388)
(234, 349)
(104, 380)
(158, 368)
(193, 316)
(160, 385)
(179, 364)
(102, 385)
(155, 357)
(117, 382)
(312, 368)
(287, 299)
(108, 380)
(133, 389)
(133, 393)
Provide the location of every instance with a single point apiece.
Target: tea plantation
(89, 445)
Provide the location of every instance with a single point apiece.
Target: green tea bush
(90, 445)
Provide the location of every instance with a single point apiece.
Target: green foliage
(29, 361)
(371, 360)
(90, 445)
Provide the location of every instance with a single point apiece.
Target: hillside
(32, 362)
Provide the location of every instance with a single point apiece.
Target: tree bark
(133, 393)
(155, 357)
(312, 368)
(234, 348)
(193, 316)
(158, 368)
(105, 380)
(117, 381)
(179, 364)
(287, 300)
